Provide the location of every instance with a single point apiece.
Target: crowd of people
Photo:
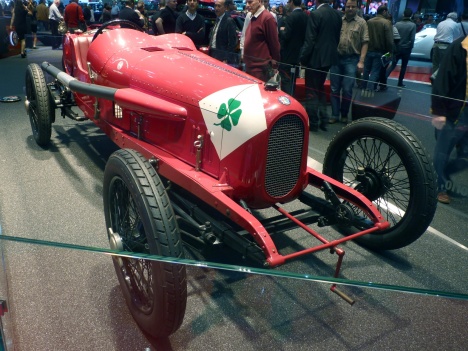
(278, 42)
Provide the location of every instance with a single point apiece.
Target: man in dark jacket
(319, 53)
(407, 31)
(166, 22)
(449, 98)
(380, 43)
(292, 35)
(129, 14)
(87, 14)
(223, 36)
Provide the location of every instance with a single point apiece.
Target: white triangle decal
(233, 116)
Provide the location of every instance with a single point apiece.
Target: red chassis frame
(214, 192)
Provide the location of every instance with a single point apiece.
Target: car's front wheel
(140, 218)
(386, 162)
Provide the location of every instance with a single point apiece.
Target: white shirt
(54, 13)
(448, 31)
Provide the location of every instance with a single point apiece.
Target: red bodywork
(160, 109)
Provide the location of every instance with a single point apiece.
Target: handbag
(62, 27)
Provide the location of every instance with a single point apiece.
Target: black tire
(139, 212)
(408, 183)
(40, 110)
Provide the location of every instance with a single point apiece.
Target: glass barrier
(52, 204)
(67, 296)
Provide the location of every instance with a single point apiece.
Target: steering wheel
(115, 22)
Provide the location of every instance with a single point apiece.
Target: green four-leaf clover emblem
(229, 114)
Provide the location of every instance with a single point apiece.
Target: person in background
(18, 20)
(447, 31)
(32, 16)
(129, 14)
(231, 8)
(261, 43)
(61, 8)
(248, 16)
(464, 23)
(42, 16)
(319, 53)
(166, 22)
(380, 43)
(223, 36)
(386, 63)
(292, 35)
(106, 14)
(55, 17)
(352, 51)
(191, 23)
(73, 15)
(115, 10)
(141, 11)
(281, 14)
(429, 20)
(87, 14)
(419, 24)
(155, 16)
(407, 31)
(272, 10)
(92, 19)
(449, 97)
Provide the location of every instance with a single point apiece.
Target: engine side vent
(152, 49)
(284, 155)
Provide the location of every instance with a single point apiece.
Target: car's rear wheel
(40, 110)
(386, 162)
(140, 218)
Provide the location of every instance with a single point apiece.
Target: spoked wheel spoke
(390, 189)
(137, 272)
(139, 281)
(385, 162)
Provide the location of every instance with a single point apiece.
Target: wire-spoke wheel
(40, 110)
(140, 218)
(384, 161)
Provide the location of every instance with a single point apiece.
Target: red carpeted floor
(414, 73)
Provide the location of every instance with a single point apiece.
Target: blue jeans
(342, 77)
(450, 135)
(372, 67)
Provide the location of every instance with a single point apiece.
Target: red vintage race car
(204, 147)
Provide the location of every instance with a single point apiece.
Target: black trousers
(316, 100)
(56, 36)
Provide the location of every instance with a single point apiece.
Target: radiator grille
(283, 162)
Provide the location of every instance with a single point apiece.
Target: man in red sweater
(72, 15)
(261, 44)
